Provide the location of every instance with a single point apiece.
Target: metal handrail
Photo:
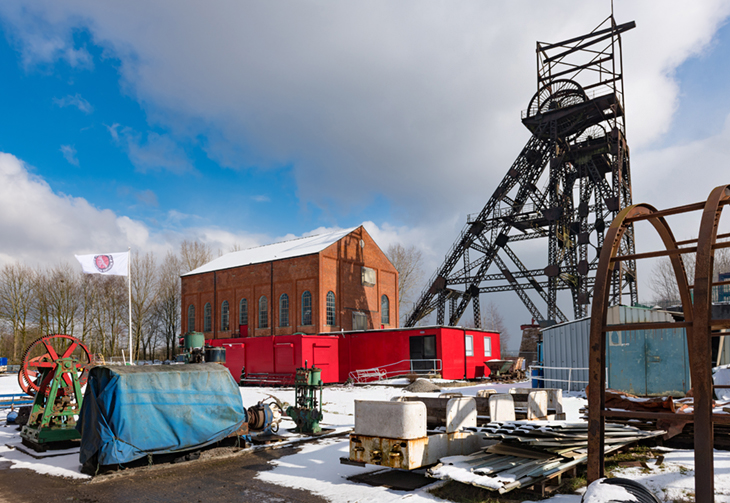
(384, 372)
(570, 370)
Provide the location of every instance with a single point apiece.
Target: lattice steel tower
(567, 185)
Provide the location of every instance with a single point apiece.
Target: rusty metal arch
(597, 380)
(698, 324)
(701, 368)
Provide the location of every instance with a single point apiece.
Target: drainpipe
(272, 299)
(215, 306)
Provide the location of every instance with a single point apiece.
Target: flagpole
(129, 283)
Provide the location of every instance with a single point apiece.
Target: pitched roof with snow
(276, 251)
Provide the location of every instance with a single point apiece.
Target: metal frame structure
(700, 326)
(571, 178)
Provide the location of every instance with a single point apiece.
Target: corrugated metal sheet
(566, 345)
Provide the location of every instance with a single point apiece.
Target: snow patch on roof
(276, 251)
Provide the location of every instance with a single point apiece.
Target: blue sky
(145, 123)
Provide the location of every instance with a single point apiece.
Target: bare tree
(144, 295)
(193, 254)
(109, 313)
(492, 320)
(16, 297)
(86, 297)
(663, 282)
(407, 262)
(57, 289)
(167, 308)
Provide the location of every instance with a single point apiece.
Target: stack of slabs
(528, 453)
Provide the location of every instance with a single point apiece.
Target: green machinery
(307, 409)
(55, 377)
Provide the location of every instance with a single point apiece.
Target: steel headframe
(698, 323)
(571, 178)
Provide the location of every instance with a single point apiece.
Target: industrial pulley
(44, 352)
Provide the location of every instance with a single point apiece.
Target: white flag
(114, 264)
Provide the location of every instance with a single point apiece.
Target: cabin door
(423, 347)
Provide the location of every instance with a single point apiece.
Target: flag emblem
(103, 262)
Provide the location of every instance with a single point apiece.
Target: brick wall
(337, 268)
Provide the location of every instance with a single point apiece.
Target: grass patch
(634, 453)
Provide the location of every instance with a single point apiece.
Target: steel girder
(570, 179)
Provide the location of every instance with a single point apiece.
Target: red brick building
(325, 283)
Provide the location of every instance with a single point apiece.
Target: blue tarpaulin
(133, 411)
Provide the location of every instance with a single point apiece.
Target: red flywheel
(43, 353)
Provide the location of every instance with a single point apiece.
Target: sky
(143, 123)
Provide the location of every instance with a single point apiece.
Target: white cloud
(42, 227)
(418, 101)
(153, 152)
(69, 153)
(74, 101)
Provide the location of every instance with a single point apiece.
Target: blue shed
(641, 362)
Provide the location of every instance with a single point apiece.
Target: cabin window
(487, 346)
(469, 341)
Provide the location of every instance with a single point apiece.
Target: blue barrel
(537, 380)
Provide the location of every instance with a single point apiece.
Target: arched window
(384, 310)
(263, 312)
(191, 318)
(306, 308)
(225, 316)
(243, 312)
(284, 310)
(330, 308)
(207, 322)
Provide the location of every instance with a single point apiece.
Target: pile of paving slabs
(528, 453)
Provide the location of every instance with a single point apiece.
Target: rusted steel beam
(647, 326)
(701, 361)
(640, 414)
(690, 241)
(660, 253)
(669, 211)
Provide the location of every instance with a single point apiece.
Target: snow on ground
(316, 466)
(61, 466)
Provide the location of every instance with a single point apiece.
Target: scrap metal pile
(676, 420)
(528, 453)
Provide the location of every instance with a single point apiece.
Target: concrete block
(486, 392)
(537, 404)
(501, 407)
(461, 412)
(404, 420)
(555, 399)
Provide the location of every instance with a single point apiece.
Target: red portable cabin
(281, 354)
(454, 352)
